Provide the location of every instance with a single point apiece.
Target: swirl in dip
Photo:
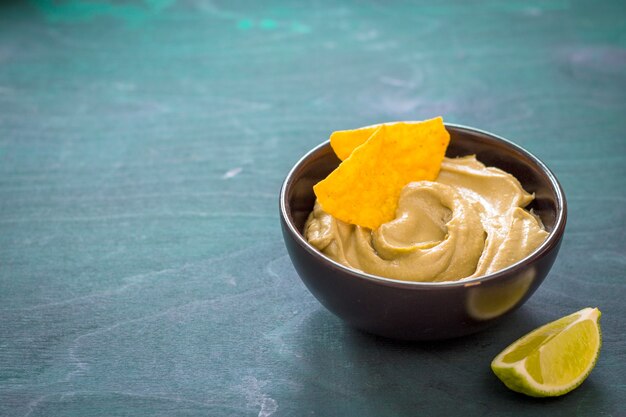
(470, 222)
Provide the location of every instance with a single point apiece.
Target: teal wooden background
(142, 147)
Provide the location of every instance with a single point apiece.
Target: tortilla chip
(364, 189)
(344, 142)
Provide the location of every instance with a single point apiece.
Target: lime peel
(553, 359)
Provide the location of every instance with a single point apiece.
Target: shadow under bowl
(422, 310)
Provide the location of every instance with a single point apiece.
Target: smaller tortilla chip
(364, 189)
(344, 142)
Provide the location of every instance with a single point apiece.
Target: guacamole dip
(470, 222)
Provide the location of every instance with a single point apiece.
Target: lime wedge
(553, 359)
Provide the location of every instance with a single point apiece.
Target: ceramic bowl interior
(423, 311)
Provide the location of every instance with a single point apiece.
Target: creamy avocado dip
(467, 223)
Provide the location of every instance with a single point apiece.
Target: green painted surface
(142, 147)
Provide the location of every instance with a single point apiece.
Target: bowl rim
(553, 239)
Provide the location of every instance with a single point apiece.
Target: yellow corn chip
(364, 189)
(344, 142)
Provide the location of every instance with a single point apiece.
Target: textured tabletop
(142, 148)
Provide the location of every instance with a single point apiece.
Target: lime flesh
(553, 359)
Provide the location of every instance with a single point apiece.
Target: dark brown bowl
(418, 310)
